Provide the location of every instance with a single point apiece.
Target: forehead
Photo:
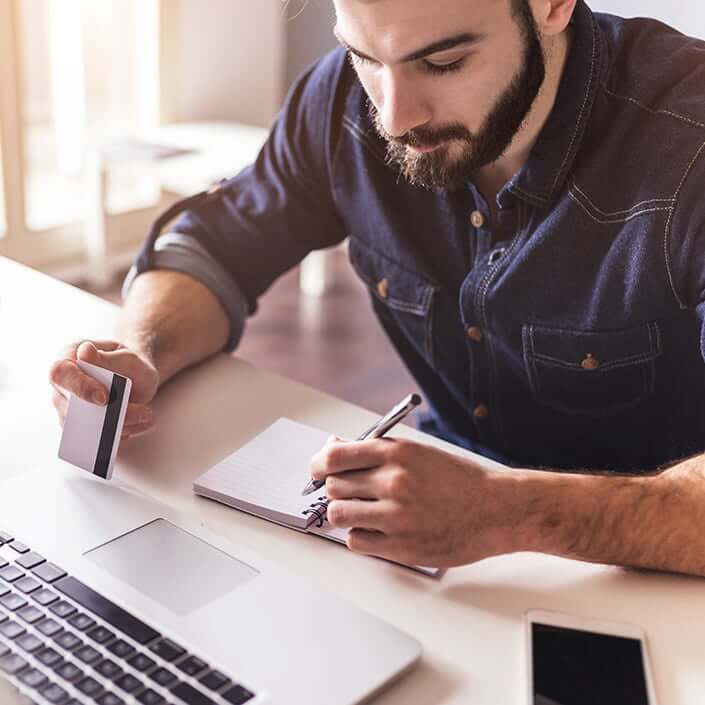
(395, 25)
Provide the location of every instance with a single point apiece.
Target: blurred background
(110, 110)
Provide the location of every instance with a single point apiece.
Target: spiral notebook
(265, 478)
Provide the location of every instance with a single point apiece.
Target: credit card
(91, 433)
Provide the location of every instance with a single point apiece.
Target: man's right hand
(66, 378)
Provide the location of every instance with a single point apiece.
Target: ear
(552, 16)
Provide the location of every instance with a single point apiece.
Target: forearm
(655, 522)
(172, 319)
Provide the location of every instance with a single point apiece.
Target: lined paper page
(268, 473)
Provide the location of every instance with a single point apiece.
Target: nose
(403, 107)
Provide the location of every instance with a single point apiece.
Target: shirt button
(383, 288)
(480, 412)
(590, 363)
(475, 334)
(477, 219)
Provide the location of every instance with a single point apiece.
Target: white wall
(686, 15)
(227, 58)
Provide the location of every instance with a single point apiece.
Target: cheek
(373, 86)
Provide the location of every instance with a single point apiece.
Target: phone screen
(575, 667)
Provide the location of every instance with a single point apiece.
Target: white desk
(469, 622)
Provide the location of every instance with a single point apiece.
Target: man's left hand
(414, 503)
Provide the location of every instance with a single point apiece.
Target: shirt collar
(538, 181)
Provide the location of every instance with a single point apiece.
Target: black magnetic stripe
(107, 436)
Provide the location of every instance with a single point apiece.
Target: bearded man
(520, 182)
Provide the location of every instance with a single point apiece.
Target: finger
(372, 543)
(70, 351)
(355, 455)
(134, 430)
(139, 415)
(354, 484)
(353, 513)
(60, 404)
(67, 377)
(124, 362)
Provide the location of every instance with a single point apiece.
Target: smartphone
(576, 661)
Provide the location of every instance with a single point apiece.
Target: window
(81, 67)
(75, 76)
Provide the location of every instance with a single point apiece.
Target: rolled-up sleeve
(270, 216)
(183, 253)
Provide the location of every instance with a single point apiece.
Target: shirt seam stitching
(669, 222)
(654, 111)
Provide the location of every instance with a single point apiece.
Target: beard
(460, 152)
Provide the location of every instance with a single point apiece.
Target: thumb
(87, 352)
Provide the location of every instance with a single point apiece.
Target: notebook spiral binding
(318, 509)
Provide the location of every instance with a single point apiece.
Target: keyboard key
(121, 648)
(11, 629)
(54, 693)
(27, 585)
(150, 697)
(3, 649)
(101, 635)
(48, 657)
(11, 573)
(29, 560)
(62, 609)
(19, 547)
(87, 654)
(12, 664)
(68, 671)
(68, 641)
(4, 590)
(190, 695)
(163, 677)
(3, 562)
(33, 678)
(49, 572)
(45, 597)
(108, 669)
(89, 686)
(237, 695)
(192, 665)
(167, 649)
(110, 699)
(5, 537)
(214, 680)
(13, 602)
(128, 683)
(30, 643)
(109, 611)
(82, 622)
(30, 614)
(49, 627)
(141, 662)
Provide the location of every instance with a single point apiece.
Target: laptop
(109, 597)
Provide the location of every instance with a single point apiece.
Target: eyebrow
(434, 48)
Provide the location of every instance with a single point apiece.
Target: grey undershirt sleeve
(185, 254)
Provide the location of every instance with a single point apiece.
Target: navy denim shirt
(564, 334)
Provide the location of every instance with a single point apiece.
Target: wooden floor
(332, 342)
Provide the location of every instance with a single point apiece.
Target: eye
(444, 68)
(357, 60)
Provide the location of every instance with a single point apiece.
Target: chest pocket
(402, 300)
(591, 373)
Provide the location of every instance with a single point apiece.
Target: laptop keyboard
(63, 643)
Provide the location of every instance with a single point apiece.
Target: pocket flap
(593, 350)
(391, 283)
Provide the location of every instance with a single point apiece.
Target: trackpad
(173, 567)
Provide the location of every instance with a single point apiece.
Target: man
(520, 181)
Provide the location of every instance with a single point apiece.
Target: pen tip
(415, 399)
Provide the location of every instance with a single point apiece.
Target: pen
(377, 430)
